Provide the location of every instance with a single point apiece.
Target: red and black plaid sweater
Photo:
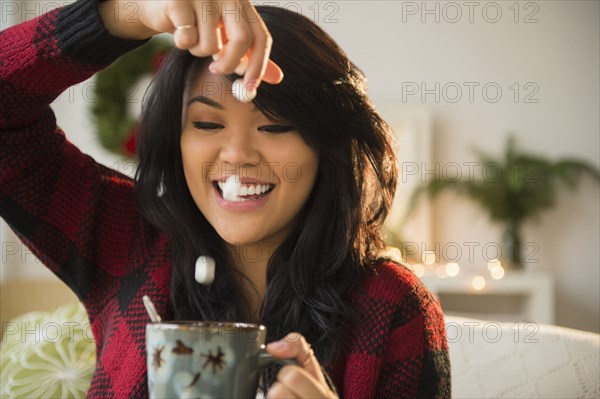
(80, 218)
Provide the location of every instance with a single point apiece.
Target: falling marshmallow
(241, 92)
(205, 270)
(231, 188)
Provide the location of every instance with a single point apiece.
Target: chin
(237, 238)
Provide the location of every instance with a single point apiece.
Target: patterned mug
(190, 359)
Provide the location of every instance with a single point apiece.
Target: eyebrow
(212, 103)
(205, 100)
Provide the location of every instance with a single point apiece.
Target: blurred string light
(478, 283)
(418, 269)
(496, 269)
(497, 273)
(493, 263)
(428, 258)
(428, 267)
(452, 269)
(440, 271)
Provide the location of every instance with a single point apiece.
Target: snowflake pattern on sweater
(80, 218)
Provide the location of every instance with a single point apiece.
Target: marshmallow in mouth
(233, 190)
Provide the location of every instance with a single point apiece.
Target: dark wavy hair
(338, 236)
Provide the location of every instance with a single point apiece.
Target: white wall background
(400, 45)
(554, 58)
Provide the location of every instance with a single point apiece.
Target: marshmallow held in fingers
(205, 270)
(231, 188)
(241, 92)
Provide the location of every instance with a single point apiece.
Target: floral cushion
(47, 355)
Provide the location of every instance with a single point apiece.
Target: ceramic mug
(206, 359)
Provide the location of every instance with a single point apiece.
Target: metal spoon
(154, 316)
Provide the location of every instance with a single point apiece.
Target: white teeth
(247, 189)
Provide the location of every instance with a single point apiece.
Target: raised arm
(75, 214)
(52, 195)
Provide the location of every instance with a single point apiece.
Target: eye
(207, 126)
(276, 129)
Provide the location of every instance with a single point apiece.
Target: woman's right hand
(232, 28)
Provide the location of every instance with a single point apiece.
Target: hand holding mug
(205, 359)
(304, 381)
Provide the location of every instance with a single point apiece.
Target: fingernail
(277, 344)
(252, 85)
(213, 69)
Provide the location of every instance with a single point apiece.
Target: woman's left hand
(304, 381)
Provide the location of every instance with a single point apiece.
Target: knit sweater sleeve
(76, 215)
(396, 344)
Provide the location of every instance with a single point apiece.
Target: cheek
(303, 172)
(311, 164)
(196, 160)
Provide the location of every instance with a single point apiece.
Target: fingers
(301, 383)
(260, 67)
(273, 74)
(279, 391)
(210, 41)
(261, 49)
(183, 19)
(195, 26)
(233, 30)
(247, 42)
(295, 346)
(239, 39)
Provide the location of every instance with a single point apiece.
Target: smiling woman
(238, 140)
(287, 194)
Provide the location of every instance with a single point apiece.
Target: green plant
(512, 189)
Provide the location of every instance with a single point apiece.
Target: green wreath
(113, 90)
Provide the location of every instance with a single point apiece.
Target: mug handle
(265, 359)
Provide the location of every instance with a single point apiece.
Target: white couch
(522, 360)
(52, 355)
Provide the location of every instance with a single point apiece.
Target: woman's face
(222, 137)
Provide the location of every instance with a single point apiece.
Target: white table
(518, 296)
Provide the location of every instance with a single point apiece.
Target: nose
(238, 148)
